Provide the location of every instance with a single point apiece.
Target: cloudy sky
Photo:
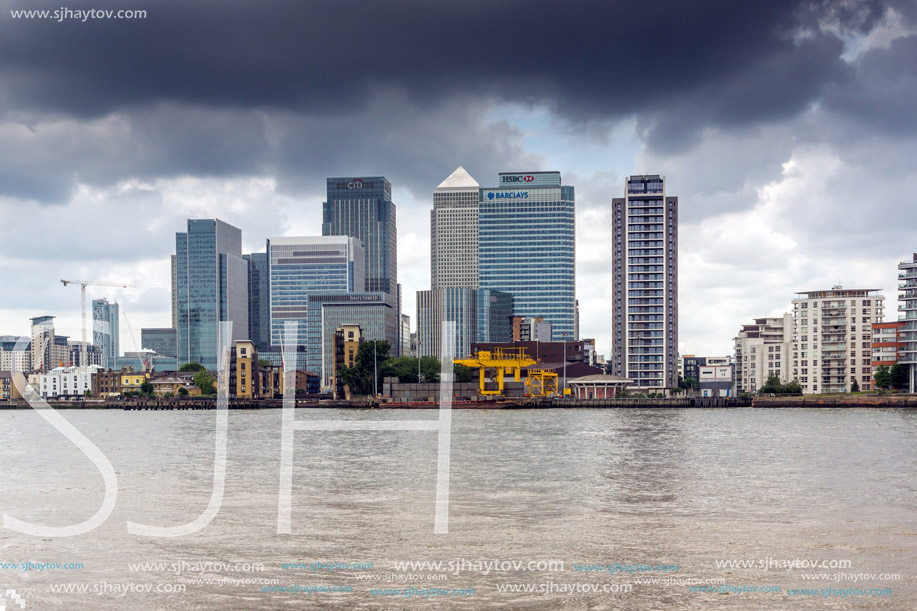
(787, 128)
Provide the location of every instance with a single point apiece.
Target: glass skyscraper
(480, 315)
(210, 285)
(362, 208)
(527, 246)
(259, 314)
(106, 331)
(645, 284)
(300, 267)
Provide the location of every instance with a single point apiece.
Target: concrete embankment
(837, 401)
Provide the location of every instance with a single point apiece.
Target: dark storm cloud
(587, 60)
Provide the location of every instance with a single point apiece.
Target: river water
(670, 495)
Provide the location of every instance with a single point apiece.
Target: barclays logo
(490, 195)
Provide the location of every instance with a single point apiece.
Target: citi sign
(519, 178)
(355, 184)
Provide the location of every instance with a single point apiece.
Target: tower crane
(83, 284)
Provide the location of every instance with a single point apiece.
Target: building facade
(762, 349)
(300, 267)
(106, 330)
(454, 232)
(259, 313)
(211, 285)
(15, 353)
(907, 306)
(375, 313)
(833, 332)
(67, 381)
(527, 246)
(346, 344)
(886, 344)
(480, 315)
(645, 284)
(163, 341)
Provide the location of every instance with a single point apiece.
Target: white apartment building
(762, 349)
(833, 333)
(67, 381)
(454, 232)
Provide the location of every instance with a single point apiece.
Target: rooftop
(460, 179)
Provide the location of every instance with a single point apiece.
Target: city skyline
(779, 192)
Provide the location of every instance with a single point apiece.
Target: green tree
(182, 391)
(264, 363)
(463, 373)
(900, 376)
(793, 388)
(854, 387)
(677, 390)
(205, 382)
(403, 367)
(192, 366)
(87, 393)
(146, 389)
(371, 357)
(883, 377)
(772, 385)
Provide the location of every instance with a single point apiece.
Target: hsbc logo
(355, 184)
(518, 178)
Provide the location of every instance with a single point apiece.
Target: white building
(454, 232)
(67, 381)
(13, 359)
(907, 305)
(762, 349)
(833, 333)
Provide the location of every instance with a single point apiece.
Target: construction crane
(83, 284)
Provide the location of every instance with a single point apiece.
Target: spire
(460, 179)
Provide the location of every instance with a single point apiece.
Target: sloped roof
(600, 379)
(460, 179)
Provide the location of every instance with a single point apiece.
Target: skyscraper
(454, 232)
(362, 208)
(645, 284)
(106, 331)
(300, 267)
(480, 315)
(211, 285)
(259, 314)
(527, 246)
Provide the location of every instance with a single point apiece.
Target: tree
(87, 393)
(772, 385)
(900, 376)
(371, 357)
(182, 391)
(883, 377)
(854, 387)
(146, 389)
(429, 369)
(677, 390)
(463, 373)
(204, 381)
(264, 363)
(192, 366)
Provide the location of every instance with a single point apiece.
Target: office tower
(480, 315)
(527, 246)
(106, 331)
(362, 208)
(833, 331)
(645, 284)
(259, 313)
(907, 303)
(211, 285)
(762, 349)
(454, 232)
(405, 335)
(300, 267)
(174, 276)
(83, 354)
(375, 313)
(162, 341)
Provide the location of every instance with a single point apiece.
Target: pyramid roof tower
(460, 179)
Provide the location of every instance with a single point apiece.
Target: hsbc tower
(527, 246)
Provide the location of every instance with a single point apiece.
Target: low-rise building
(886, 343)
(67, 381)
(347, 340)
(132, 381)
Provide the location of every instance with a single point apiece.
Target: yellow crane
(503, 361)
(83, 284)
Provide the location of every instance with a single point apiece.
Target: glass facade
(106, 331)
(161, 341)
(362, 208)
(527, 246)
(211, 284)
(375, 313)
(645, 284)
(480, 315)
(300, 267)
(259, 313)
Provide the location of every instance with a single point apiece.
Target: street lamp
(565, 334)
(375, 369)
(418, 360)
